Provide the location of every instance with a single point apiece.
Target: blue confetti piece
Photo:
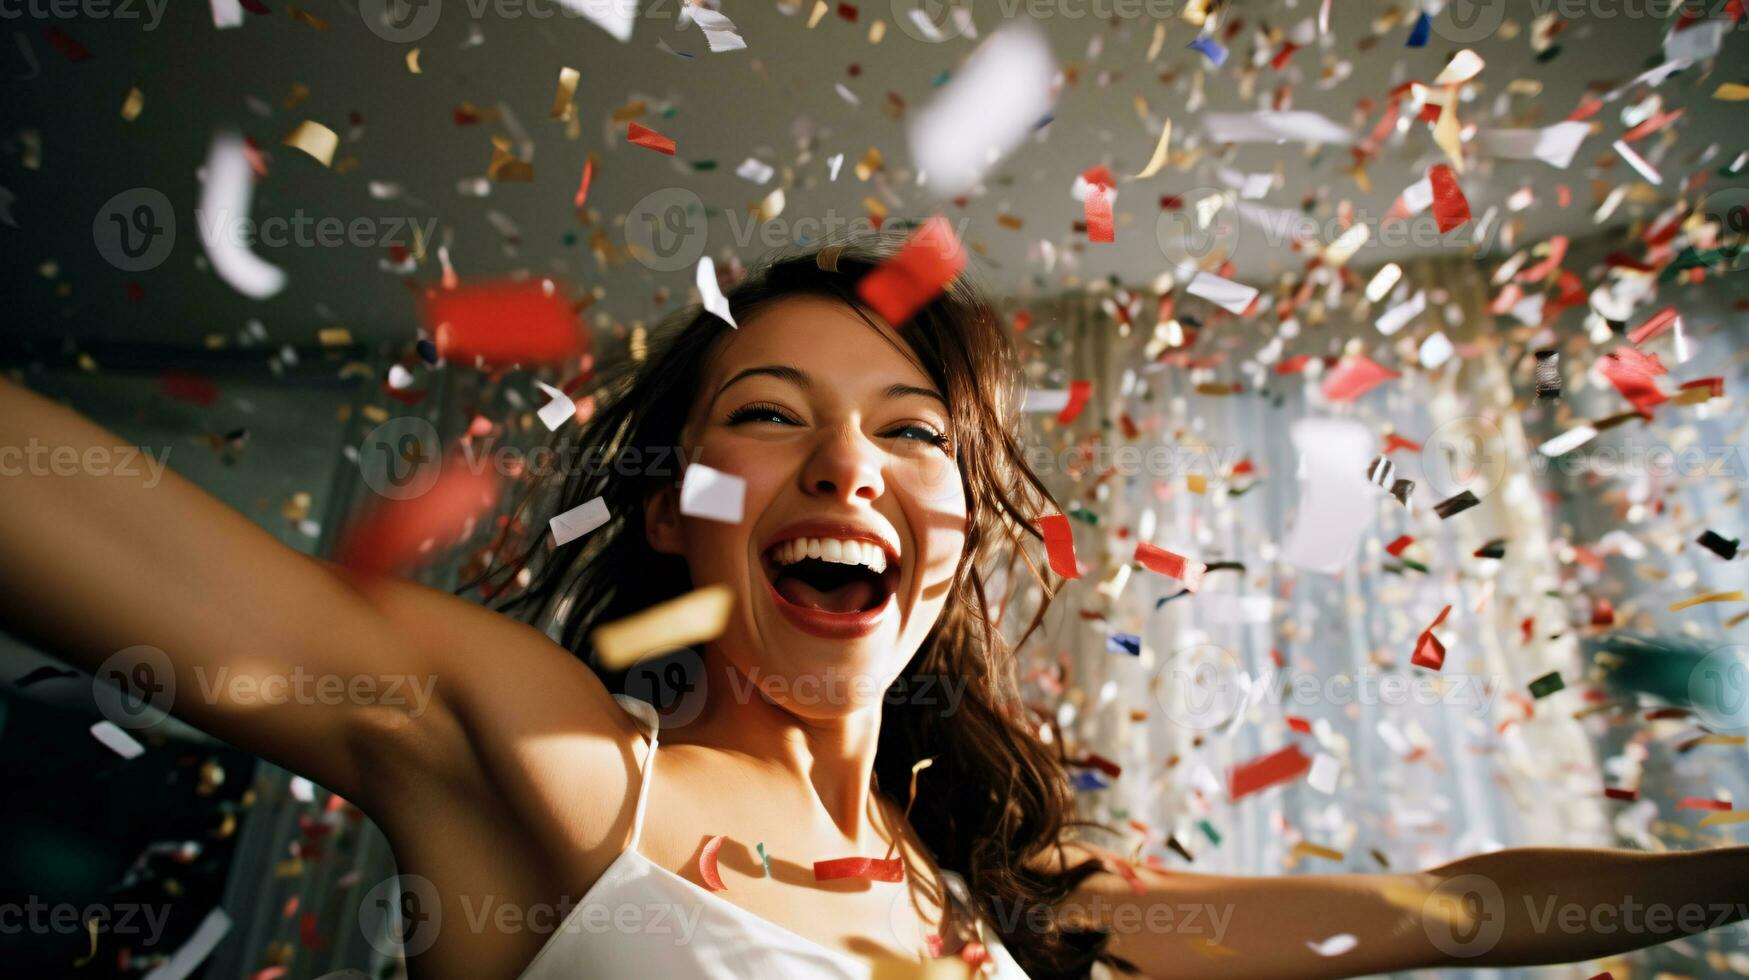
(1423, 26)
(1046, 120)
(1088, 780)
(1211, 49)
(940, 78)
(1128, 643)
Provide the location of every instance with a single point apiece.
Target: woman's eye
(760, 413)
(921, 433)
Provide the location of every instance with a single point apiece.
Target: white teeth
(835, 550)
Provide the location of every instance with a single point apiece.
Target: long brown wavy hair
(997, 799)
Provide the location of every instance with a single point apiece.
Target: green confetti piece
(1547, 684)
(1208, 830)
(1083, 514)
(1411, 563)
(760, 847)
(704, 165)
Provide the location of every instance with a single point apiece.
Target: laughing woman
(882, 476)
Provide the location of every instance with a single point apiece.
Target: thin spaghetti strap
(651, 723)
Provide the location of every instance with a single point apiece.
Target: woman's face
(855, 515)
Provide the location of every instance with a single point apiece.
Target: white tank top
(641, 921)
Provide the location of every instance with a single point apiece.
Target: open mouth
(830, 575)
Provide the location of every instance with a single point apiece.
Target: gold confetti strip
(1734, 620)
(695, 617)
(877, 31)
(298, 13)
(317, 140)
(1735, 595)
(1158, 42)
(1314, 850)
(1161, 149)
(334, 337)
(875, 208)
(870, 162)
(133, 104)
(567, 92)
(1724, 817)
(1721, 740)
(772, 206)
(1197, 483)
(413, 61)
(1012, 222)
(629, 111)
(817, 13)
(1731, 92)
(504, 165)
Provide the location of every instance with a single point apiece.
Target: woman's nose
(844, 466)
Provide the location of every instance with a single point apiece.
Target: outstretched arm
(1508, 908)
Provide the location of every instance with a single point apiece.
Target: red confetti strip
(1355, 376)
(650, 139)
(184, 386)
(1540, 271)
(1079, 392)
(397, 533)
(1659, 322)
(1702, 803)
(1714, 385)
(707, 864)
(874, 869)
(1450, 206)
(1096, 208)
(583, 188)
(1060, 544)
(65, 45)
(1429, 652)
(1187, 570)
(1633, 375)
(502, 323)
(907, 282)
(1294, 364)
(1263, 772)
(1625, 795)
(1394, 442)
(1396, 547)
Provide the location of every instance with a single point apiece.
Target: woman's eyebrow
(901, 390)
(779, 371)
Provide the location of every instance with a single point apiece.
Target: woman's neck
(830, 758)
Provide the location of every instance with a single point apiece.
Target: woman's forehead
(821, 337)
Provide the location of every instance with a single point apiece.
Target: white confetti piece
(227, 14)
(986, 110)
(224, 203)
(1273, 127)
(1336, 501)
(1462, 67)
(1568, 441)
(613, 16)
(1234, 297)
(711, 295)
(1334, 946)
(558, 411)
(1553, 145)
(1436, 350)
(719, 32)
(833, 162)
(758, 171)
(1638, 163)
(1325, 769)
(1398, 317)
(117, 740)
(712, 494)
(578, 521)
(1045, 400)
(1382, 281)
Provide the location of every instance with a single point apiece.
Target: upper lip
(841, 530)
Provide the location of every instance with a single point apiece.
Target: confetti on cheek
(707, 864)
(712, 494)
(1060, 544)
(1334, 946)
(907, 282)
(649, 139)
